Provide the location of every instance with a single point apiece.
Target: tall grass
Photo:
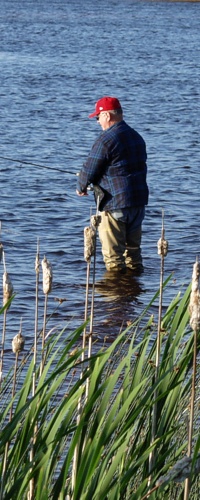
(113, 434)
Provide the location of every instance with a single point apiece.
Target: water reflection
(119, 287)
(117, 303)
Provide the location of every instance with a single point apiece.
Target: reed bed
(120, 423)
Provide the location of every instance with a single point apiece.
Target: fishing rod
(38, 165)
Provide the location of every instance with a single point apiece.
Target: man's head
(108, 111)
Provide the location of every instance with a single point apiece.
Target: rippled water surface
(56, 60)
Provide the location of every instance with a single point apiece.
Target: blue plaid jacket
(117, 165)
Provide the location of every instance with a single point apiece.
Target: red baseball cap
(105, 104)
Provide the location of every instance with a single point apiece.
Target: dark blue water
(56, 60)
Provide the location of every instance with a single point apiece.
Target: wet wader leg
(133, 257)
(112, 234)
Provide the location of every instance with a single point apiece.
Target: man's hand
(81, 194)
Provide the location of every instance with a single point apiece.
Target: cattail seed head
(1, 251)
(194, 305)
(162, 245)
(18, 343)
(47, 276)
(7, 288)
(37, 264)
(89, 243)
(95, 220)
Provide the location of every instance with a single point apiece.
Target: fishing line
(38, 165)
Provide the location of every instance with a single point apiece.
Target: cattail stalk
(194, 311)
(17, 347)
(89, 252)
(37, 270)
(47, 286)
(95, 220)
(162, 251)
(7, 294)
(89, 248)
(87, 257)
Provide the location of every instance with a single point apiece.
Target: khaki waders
(121, 241)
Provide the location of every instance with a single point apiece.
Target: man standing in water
(116, 166)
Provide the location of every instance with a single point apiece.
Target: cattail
(90, 237)
(194, 311)
(47, 276)
(194, 305)
(37, 264)
(162, 245)
(7, 288)
(18, 343)
(95, 220)
(89, 243)
(1, 251)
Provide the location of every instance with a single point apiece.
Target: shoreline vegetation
(120, 423)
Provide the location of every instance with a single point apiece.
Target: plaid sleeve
(94, 167)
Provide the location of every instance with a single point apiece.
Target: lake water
(56, 60)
